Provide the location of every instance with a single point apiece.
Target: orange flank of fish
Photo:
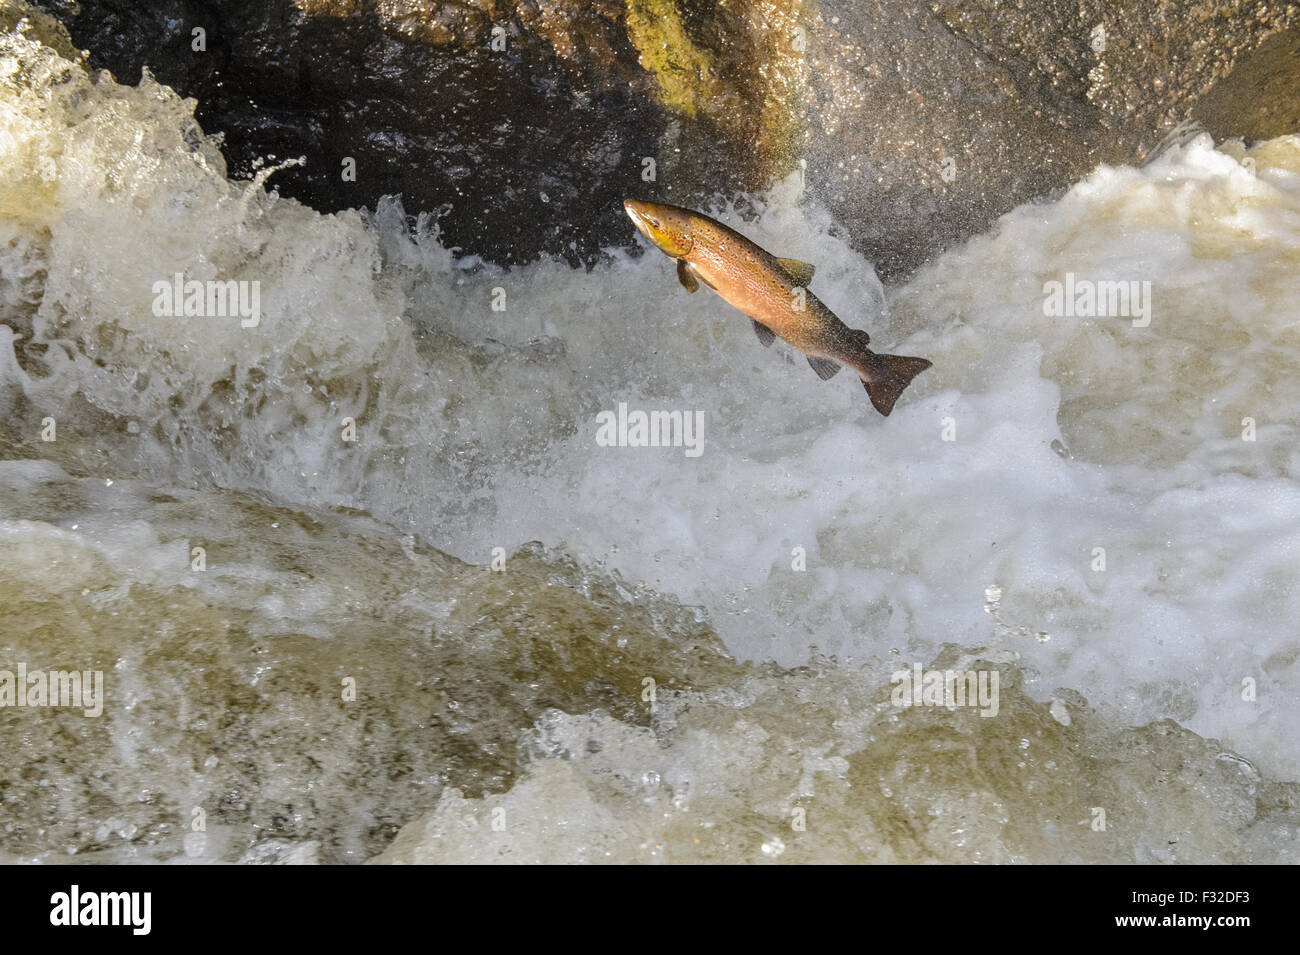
(774, 293)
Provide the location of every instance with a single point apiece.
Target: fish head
(668, 227)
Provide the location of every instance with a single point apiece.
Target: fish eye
(654, 223)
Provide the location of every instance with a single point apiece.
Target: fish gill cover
(299, 545)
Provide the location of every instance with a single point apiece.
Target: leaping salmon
(774, 293)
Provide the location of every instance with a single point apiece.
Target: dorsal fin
(801, 272)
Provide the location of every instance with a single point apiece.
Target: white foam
(485, 437)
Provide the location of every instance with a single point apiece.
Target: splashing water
(1159, 552)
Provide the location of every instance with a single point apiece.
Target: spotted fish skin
(774, 293)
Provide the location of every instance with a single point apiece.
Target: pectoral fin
(824, 367)
(801, 272)
(765, 334)
(686, 276)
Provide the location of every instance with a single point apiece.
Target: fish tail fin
(885, 376)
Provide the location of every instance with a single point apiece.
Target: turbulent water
(1104, 510)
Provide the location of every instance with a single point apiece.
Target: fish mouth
(636, 212)
(649, 225)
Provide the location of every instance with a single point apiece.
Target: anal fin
(824, 367)
(765, 334)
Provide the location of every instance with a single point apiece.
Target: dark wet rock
(919, 121)
(526, 150)
(1023, 98)
(1259, 99)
